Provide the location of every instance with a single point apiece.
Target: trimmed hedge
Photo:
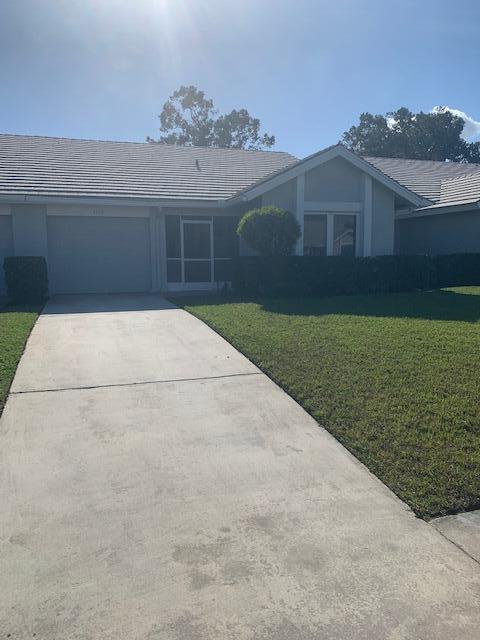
(340, 275)
(26, 278)
(457, 269)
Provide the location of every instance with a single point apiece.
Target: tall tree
(403, 134)
(190, 118)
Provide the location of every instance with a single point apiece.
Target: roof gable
(321, 157)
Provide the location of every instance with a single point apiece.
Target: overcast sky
(306, 68)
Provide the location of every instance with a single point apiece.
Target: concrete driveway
(154, 485)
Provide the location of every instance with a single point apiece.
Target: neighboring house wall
(6, 242)
(440, 233)
(383, 220)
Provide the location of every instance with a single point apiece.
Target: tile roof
(430, 179)
(460, 190)
(43, 166)
(34, 165)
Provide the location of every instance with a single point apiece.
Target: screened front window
(315, 235)
(344, 235)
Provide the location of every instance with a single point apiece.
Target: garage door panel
(6, 247)
(98, 255)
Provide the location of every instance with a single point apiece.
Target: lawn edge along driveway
(393, 377)
(16, 324)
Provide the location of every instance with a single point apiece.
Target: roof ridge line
(145, 143)
(442, 162)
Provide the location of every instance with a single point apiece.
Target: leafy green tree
(421, 136)
(269, 230)
(190, 118)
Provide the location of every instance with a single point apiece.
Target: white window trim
(368, 215)
(330, 223)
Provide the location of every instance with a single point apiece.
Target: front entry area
(199, 250)
(197, 240)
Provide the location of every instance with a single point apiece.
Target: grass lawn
(396, 378)
(15, 327)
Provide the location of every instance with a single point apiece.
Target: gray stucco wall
(29, 224)
(383, 220)
(284, 196)
(336, 180)
(6, 246)
(441, 233)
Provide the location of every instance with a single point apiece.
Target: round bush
(270, 231)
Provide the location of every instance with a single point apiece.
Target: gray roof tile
(425, 177)
(32, 165)
(35, 165)
(461, 189)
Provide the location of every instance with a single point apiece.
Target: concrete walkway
(155, 486)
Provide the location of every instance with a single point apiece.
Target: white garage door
(98, 255)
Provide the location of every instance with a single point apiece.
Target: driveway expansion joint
(454, 542)
(133, 384)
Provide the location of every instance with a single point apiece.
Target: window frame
(330, 215)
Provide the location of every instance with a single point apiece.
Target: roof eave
(437, 209)
(153, 201)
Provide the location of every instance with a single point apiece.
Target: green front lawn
(396, 378)
(15, 327)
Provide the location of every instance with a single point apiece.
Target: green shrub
(457, 269)
(270, 231)
(332, 275)
(26, 278)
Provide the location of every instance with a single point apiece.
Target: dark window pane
(225, 239)
(198, 271)
(174, 270)
(196, 240)
(172, 230)
(344, 235)
(223, 270)
(315, 235)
